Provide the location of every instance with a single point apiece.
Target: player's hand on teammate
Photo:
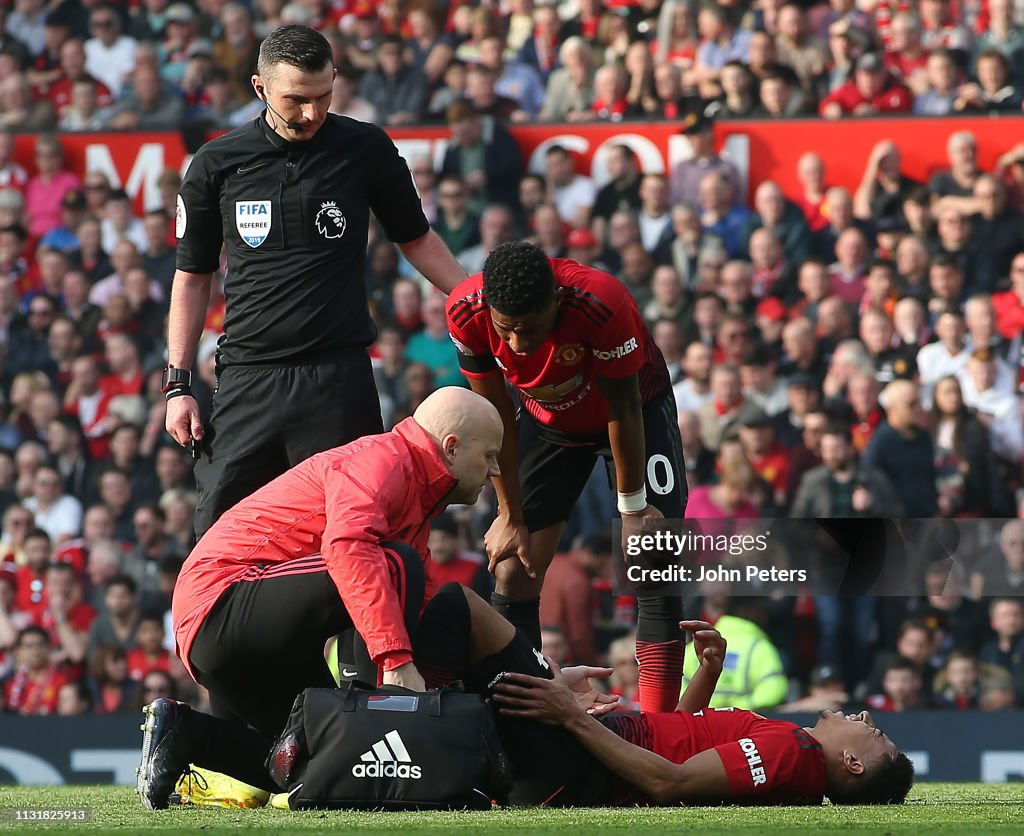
(405, 676)
(183, 421)
(586, 695)
(508, 539)
(708, 644)
(550, 701)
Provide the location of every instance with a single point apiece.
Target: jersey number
(661, 483)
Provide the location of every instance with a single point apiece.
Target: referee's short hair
(518, 280)
(296, 46)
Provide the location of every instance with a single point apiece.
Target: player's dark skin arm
(701, 778)
(506, 486)
(625, 430)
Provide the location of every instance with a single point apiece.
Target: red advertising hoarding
(760, 149)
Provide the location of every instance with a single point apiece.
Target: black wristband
(177, 392)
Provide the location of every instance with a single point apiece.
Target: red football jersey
(599, 332)
(767, 761)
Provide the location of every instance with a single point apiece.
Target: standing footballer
(592, 383)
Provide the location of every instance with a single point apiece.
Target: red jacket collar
(436, 479)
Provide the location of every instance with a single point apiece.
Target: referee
(288, 197)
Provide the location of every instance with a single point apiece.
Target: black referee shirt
(293, 217)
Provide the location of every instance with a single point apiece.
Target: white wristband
(632, 503)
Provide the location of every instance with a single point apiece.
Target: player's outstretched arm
(508, 536)
(709, 645)
(701, 778)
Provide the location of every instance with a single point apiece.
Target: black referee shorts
(554, 466)
(266, 419)
(263, 641)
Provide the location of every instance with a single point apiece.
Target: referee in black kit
(289, 197)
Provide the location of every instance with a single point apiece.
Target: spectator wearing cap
(769, 319)
(582, 245)
(237, 49)
(569, 93)
(397, 92)
(871, 91)
(110, 55)
(686, 183)
(360, 43)
(484, 153)
(940, 89)
(998, 410)
(768, 458)
(904, 451)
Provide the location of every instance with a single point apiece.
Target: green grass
(935, 808)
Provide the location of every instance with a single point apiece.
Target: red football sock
(661, 674)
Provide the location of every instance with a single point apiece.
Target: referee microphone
(294, 126)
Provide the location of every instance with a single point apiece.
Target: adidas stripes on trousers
(263, 642)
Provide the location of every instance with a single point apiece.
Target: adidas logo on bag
(387, 758)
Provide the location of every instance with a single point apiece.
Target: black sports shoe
(165, 751)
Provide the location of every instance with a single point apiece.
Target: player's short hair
(518, 279)
(887, 783)
(296, 46)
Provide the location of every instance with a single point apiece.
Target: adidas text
(386, 770)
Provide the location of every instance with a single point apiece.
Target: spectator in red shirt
(72, 69)
(902, 689)
(769, 459)
(1009, 305)
(450, 563)
(567, 599)
(125, 376)
(907, 58)
(63, 615)
(34, 688)
(31, 574)
(149, 653)
(872, 91)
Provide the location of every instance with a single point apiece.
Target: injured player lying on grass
(567, 747)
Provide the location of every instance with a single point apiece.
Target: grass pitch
(935, 808)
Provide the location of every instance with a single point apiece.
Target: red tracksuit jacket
(341, 503)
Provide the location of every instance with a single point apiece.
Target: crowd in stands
(834, 352)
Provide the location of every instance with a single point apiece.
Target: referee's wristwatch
(176, 380)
